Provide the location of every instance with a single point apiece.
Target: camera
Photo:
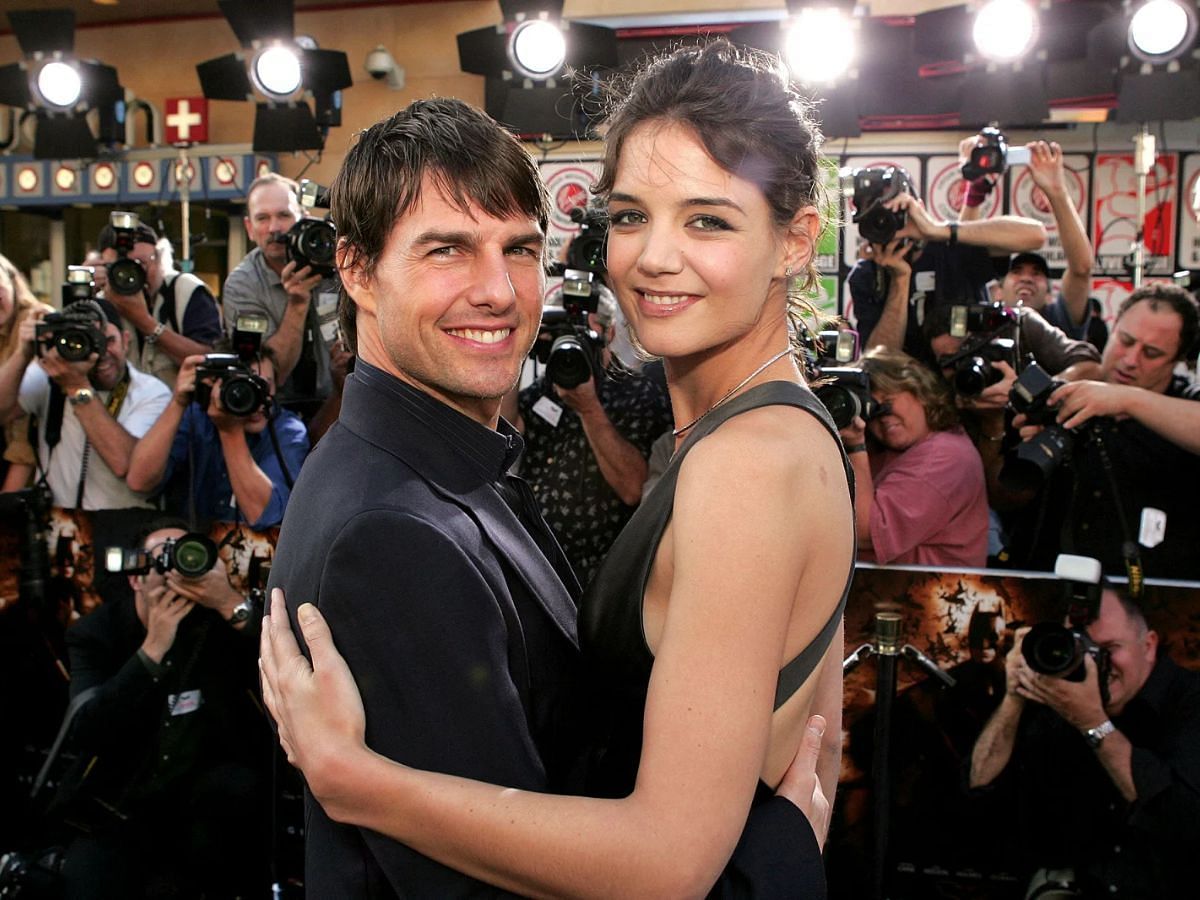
(1033, 461)
(992, 155)
(249, 331)
(76, 333)
(312, 241)
(80, 285)
(126, 276)
(1051, 648)
(191, 556)
(979, 317)
(846, 393)
(869, 189)
(973, 369)
(243, 393)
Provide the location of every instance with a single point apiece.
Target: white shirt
(145, 400)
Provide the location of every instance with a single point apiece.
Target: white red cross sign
(186, 120)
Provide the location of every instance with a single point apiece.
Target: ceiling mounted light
(821, 45)
(59, 89)
(297, 86)
(1162, 30)
(1005, 30)
(537, 49)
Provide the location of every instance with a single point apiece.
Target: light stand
(1143, 163)
(886, 647)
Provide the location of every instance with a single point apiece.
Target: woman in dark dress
(714, 628)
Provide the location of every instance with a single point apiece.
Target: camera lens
(973, 375)
(317, 243)
(240, 396)
(194, 555)
(843, 405)
(569, 364)
(1035, 459)
(74, 344)
(1054, 650)
(126, 276)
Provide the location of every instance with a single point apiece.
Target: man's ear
(1151, 645)
(249, 229)
(135, 582)
(359, 285)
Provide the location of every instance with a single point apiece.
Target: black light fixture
(1158, 77)
(281, 73)
(523, 58)
(59, 89)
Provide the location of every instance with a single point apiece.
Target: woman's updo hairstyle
(742, 108)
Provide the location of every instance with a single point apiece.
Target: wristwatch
(1095, 736)
(152, 337)
(81, 397)
(241, 612)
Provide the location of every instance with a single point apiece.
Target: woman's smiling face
(693, 249)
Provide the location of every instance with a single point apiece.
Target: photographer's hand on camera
(1078, 702)
(994, 396)
(69, 376)
(212, 590)
(134, 310)
(1079, 401)
(165, 609)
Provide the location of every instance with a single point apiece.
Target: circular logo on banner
(1191, 197)
(262, 168)
(64, 178)
(947, 192)
(103, 176)
(143, 174)
(27, 179)
(570, 188)
(1029, 199)
(179, 173)
(225, 171)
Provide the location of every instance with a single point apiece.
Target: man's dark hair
(158, 523)
(467, 155)
(1177, 300)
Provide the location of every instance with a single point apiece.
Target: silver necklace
(737, 387)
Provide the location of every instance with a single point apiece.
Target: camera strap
(287, 476)
(115, 401)
(1129, 547)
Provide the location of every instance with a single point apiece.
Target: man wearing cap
(90, 413)
(172, 317)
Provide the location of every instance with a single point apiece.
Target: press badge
(182, 704)
(925, 282)
(548, 410)
(327, 315)
(1154, 527)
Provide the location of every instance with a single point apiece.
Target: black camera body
(76, 333)
(1034, 460)
(80, 285)
(191, 556)
(125, 275)
(869, 189)
(568, 347)
(312, 241)
(1058, 650)
(588, 250)
(846, 393)
(974, 371)
(243, 393)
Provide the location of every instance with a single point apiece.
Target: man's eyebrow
(530, 237)
(446, 237)
(691, 201)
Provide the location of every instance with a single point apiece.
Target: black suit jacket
(397, 532)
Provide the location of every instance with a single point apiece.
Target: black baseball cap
(1036, 259)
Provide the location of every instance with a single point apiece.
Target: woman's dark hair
(469, 156)
(894, 371)
(742, 108)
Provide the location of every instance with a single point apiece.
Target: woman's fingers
(800, 783)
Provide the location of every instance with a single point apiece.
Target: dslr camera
(192, 555)
(567, 345)
(992, 155)
(76, 333)
(973, 363)
(80, 285)
(1032, 462)
(1051, 648)
(869, 189)
(243, 392)
(125, 275)
(312, 241)
(844, 390)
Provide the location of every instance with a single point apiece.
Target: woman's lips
(663, 304)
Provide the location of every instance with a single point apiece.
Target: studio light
(1162, 30)
(1005, 30)
(296, 86)
(537, 49)
(59, 89)
(821, 45)
(59, 84)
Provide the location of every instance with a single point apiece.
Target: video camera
(125, 275)
(1032, 462)
(76, 332)
(243, 392)
(1051, 648)
(191, 556)
(566, 344)
(312, 241)
(869, 189)
(973, 362)
(993, 156)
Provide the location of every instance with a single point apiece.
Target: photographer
(1110, 788)
(586, 447)
(237, 470)
(90, 411)
(170, 787)
(919, 496)
(925, 265)
(1134, 445)
(172, 317)
(300, 306)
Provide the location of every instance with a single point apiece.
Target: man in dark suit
(443, 587)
